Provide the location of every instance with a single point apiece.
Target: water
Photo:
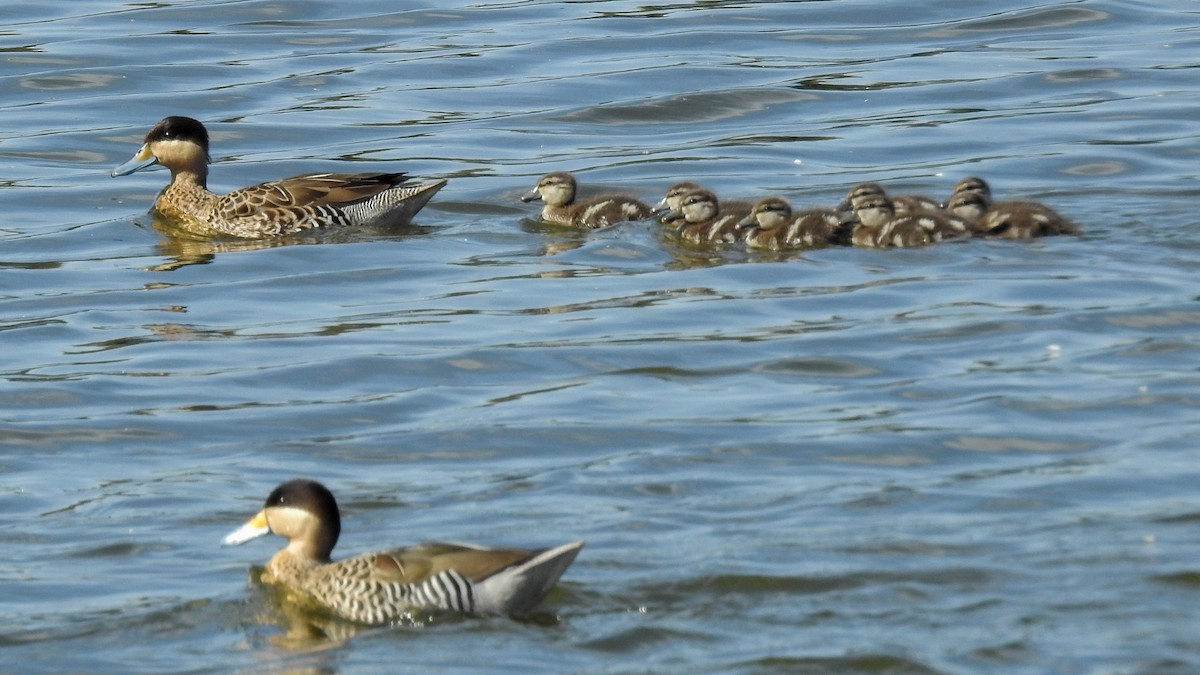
(977, 457)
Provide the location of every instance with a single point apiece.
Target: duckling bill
(269, 209)
(382, 587)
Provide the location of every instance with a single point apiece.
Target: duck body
(971, 200)
(382, 587)
(268, 209)
(772, 225)
(558, 192)
(1023, 220)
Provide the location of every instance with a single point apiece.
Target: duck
(271, 209)
(902, 204)
(386, 586)
(701, 220)
(558, 191)
(971, 200)
(880, 226)
(673, 199)
(772, 225)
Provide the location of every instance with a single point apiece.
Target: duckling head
(859, 192)
(768, 213)
(873, 210)
(555, 189)
(969, 206)
(698, 206)
(974, 184)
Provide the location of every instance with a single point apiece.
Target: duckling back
(1023, 220)
(920, 229)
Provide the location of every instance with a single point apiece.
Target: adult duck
(270, 209)
(377, 588)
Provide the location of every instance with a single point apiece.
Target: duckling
(673, 200)
(376, 588)
(773, 226)
(974, 184)
(1010, 219)
(902, 204)
(1024, 220)
(970, 199)
(880, 226)
(557, 190)
(702, 221)
(268, 209)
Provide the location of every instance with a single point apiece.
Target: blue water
(974, 457)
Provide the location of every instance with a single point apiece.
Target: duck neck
(190, 178)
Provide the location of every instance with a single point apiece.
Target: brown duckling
(773, 226)
(558, 191)
(702, 221)
(971, 200)
(901, 204)
(672, 202)
(880, 226)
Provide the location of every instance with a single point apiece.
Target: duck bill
(143, 159)
(532, 196)
(664, 212)
(253, 529)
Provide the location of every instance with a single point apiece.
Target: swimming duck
(902, 204)
(672, 202)
(558, 190)
(268, 209)
(772, 225)
(879, 225)
(382, 587)
(701, 220)
(971, 200)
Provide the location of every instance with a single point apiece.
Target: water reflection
(183, 248)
